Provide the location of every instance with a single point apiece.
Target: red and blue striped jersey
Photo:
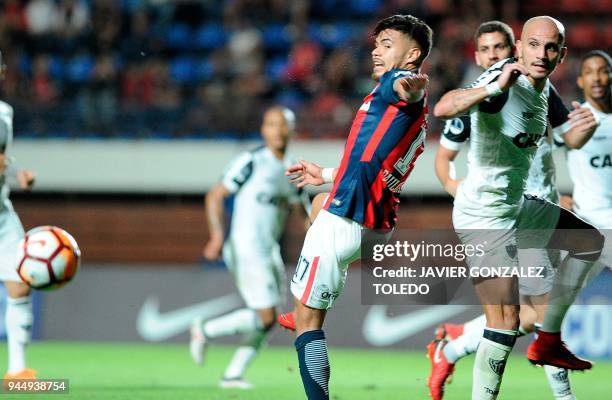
(386, 138)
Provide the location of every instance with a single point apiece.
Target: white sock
(241, 360)
(467, 343)
(493, 351)
(566, 285)
(18, 320)
(477, 324)
(558, 380)
(244, 320)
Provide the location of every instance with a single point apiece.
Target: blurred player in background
(511, 104)
(386, 137)
(263, 197)
(495, 42)
(18, 318)
(590, 167)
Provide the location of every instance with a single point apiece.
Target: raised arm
(459, 101)
(443, 165)
(215, 215)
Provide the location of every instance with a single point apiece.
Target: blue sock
(314, 364)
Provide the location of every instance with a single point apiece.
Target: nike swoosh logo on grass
(380, 330)
(155, 326)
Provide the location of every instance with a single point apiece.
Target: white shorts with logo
(259, 272)
(11, 232)
(330, 245)
(514, 242)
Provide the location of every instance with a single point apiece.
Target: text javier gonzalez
(434, 267)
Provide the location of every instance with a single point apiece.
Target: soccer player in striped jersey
(495, 42)
(18, 317)
(509, 108)
(385, 139)
(262, 199)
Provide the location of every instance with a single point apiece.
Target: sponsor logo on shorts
(324, 292)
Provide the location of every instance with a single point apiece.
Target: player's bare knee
(17, 289)
(267, 317)
(591, 248)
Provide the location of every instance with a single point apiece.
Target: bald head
(544, 25)
(541, 48)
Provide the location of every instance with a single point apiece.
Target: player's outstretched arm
(411, 88)
(308, 173)
(459, 101)
(442, 165)
(583, 125)
(215, 211)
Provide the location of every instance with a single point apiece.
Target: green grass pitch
(141, 371)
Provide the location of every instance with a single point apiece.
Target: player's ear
(412, 56)
(477, 60)
(562, 54)
(518, 52)
(580, 81)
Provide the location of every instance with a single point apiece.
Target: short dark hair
(597, 53)
(412, 26)
(495, 26)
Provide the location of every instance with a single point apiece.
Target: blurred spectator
(98, 99)
(44, 90)
(206, 68)
(42, 17)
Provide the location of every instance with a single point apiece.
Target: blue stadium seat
(56, 68)
(25, 65)
(183, 70)
(79, 68)
(365, 7)
(210, 36)
(276, 68)
(179, 36)
(204, 70)
(332, 35)
(277, 37)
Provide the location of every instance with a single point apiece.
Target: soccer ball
(48, 257)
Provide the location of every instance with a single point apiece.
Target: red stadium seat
(583, 35)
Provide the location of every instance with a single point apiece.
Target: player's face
(392, 49)
(491, 48)
(540, 49)
(594, 79)
(275, 130)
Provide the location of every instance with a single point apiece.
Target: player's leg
(254, 340)
(18, 321)
(257, 280)
(499, 297)
(584, 244)
(331, 244)
(19, 316)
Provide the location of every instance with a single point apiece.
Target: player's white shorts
(501, 238)
(258, 270)
(548, 261)
(11, 232)
(330, 245)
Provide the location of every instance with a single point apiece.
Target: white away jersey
(541, 179)
(262, 196)
(6, 138)
(590, 167)
(505, 133)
